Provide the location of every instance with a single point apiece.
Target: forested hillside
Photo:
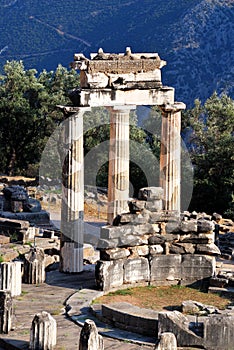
(195, 37)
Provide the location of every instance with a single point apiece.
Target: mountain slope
(193, 36)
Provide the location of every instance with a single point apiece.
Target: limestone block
(155, 249)
(141, 250)
(167, 341)
(165, 267)
(177, 324)
(219, 332)
(114, 254)
(127, 218)
(150, 193)
(188, 226)
(201, 238)
(156, 239)
(89, 337)
(197, 267)
(109, 274)
(107, 243)
(173, 226)
(154, 205)
(136, 270)
(4, 239)
(182, 248)
(109, 232)
(136, 205)
(131, 241)
(205, 226)
(196, 308)
(6, 312)
(208, 249)
(43, 334)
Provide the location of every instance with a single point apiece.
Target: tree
(209, 131)
(28, 114)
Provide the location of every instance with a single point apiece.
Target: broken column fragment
(6, 312)
(89, 337)
(43, 333)
(34, 266)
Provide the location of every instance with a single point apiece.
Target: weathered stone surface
(136, 270)
(154, 205)
(182, 248)
(114, 254)
(219, 332)
(167, 341)
(177, 324)
(109, 232)
(109, 274)
(34, 266)
(176, 249)
(205, 226)
(131, 241)
(155, 249)
(10, 277)
(4, 239)
(196, 308)
(136, 205)
(107, 243)
(196, 267)
(208, 249)
(132, 318)
(141, 250)
(156, 239)
(151, 193)
(6, 312)
(165, 267)
(218, 282)
(188, 226)
(201, 238)
(89, 337)
(43, 332)
(133, 218)
(172, 226)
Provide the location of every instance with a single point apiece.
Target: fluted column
(118, 176)
(170, 155)
(72, 211)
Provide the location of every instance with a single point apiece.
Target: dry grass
(159, 298)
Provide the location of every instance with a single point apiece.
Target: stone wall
(151, 246)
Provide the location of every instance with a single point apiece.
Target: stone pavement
(51, 297)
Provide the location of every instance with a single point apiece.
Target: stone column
(170, 155)
(43, 333)
(118, 177)
(89, 337)
(34, 266)
(10, 277)
(6, 311)
(72, 211)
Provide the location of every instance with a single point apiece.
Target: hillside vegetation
(195, 37)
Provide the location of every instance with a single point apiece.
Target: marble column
(72, 210)
(170, 155)
(118, 176)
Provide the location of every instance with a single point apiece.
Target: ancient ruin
(119, 82)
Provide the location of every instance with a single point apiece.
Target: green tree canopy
(209, 131)
(28, 114)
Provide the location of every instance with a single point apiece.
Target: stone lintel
(110, 97)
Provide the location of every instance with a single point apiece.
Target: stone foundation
(155, 247)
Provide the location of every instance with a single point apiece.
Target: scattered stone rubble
(156, 247)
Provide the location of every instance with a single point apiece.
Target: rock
(43, 332)
(6, 311)
(34, 266)
(167, 341)
(136, 205)
(109, 274)
(188, 226)
(205, 226)
(155, 249)
(136, 270)
(196, 267)
(219, 331)
(156, 239)
(141, 250)
(208, 249)
(131, 241)
(4, 239)
(89, 337)
(154, 205)
(107, 244)
(176, 323)
(165, 267)
(114, 254)
(151, 193)
(195, 308)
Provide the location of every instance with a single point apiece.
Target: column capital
(121, 107)
(175, 107)
(67, 110)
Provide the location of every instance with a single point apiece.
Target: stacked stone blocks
(151, 246)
